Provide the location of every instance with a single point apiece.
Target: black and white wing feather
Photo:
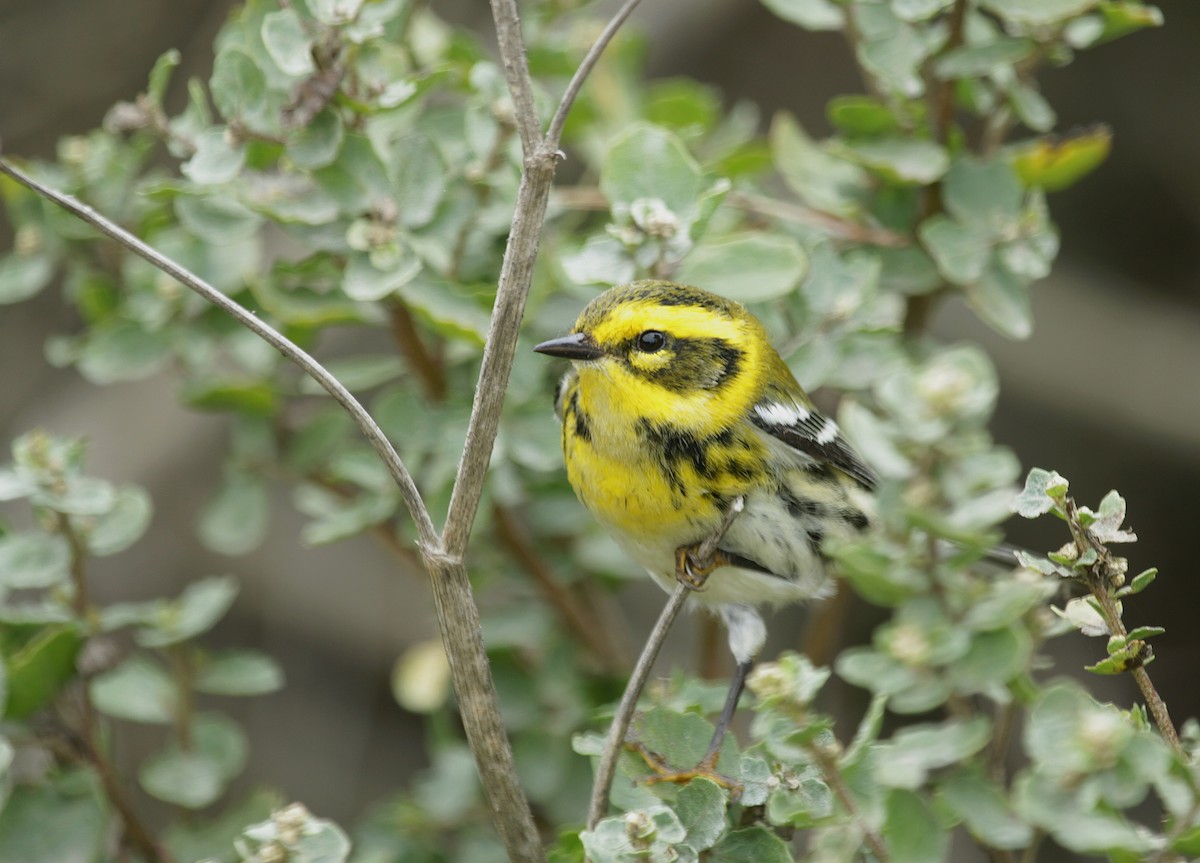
(807, 431)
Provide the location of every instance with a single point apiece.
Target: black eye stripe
(651, 341)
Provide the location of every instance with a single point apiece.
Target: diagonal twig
(607, 767)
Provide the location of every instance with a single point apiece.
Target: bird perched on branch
(677, 405)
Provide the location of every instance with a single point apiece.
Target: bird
(675, 409)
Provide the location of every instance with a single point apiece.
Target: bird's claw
(692, 570)
(664, 772)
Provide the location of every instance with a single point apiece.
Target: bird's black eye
(651, 341)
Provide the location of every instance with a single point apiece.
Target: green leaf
(33, 560)
(1037, 12)
(982, 59)
(40, 669)
(900, 160)
(216, 159)
(185, 778)
(701, 810)
(906, 760)
(650, 162)
(239, 672)
(601, 260)
(122, 525)
(235, 520)
(197, 610)
(22, 276)
(15, 485)
(318, 143)
(1043, 489)
(55, 822)
(747, 268)
(960, 253)
(680, 738)
(160, 76)
(419, 179)
(214, 838)
(285, 39)
(750, 845)
(194, 778)
(238, 85)
(1001, 299)
(986, 196)
(802, 801)
(984, 808)
(366, 283)
(1139, 582)
(994, 658)
(1032, 107)
(1057, 163)
(1119, 18)
(137, 690)
(219, 393)
(217, 218)
(913, 834)
(861, 115)
(444, 308)
(122, 350)
(891, 50)
(822, 180)
(809, 14)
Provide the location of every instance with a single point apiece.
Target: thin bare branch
(607, 768)
(554, 132)
(516, 72)
(247, 318)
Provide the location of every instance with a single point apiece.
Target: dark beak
(576, 346)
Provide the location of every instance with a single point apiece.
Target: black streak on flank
(582, 429)
(857, 520)
(675, 447)
(798, 507)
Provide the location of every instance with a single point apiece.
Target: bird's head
(668, 351)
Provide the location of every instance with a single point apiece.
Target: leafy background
(1094, 393)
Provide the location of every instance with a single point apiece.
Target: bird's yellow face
(667, 353)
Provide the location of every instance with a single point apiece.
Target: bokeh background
(1107, 390)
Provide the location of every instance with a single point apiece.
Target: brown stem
(832, 775)
(420, 360)
(181, 666)
(1099, 583)
(134, 830)
(825, 626)
(579, 620)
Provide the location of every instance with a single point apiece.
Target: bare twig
(368, 426)
(607, 767)
(554, 132)
(516, 72)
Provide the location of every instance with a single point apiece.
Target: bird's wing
(807, 431)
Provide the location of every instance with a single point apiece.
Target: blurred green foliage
(349, 173)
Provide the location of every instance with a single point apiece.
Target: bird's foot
(664, 772)
(692, 568)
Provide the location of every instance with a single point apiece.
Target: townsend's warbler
(676, 405)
